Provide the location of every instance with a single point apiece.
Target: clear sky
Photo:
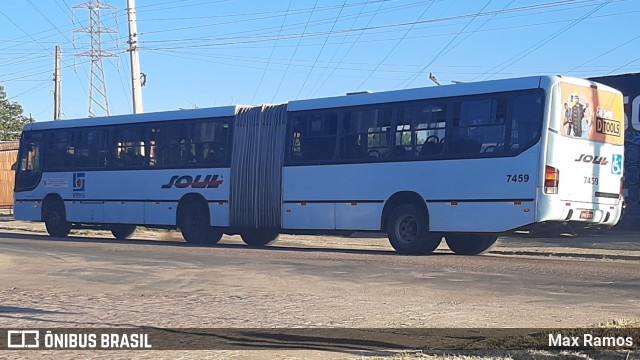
(203, 53)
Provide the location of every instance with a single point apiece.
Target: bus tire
(122, 231)
(194, 224)
(408, 231)
(470, 244)
(258, 238)
(55, 218)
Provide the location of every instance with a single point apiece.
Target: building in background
(629, 84)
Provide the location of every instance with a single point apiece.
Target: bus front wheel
(408, 231)
(470, 244)
(55, 219)
(122, 231)
(194, 223)
(258, 238)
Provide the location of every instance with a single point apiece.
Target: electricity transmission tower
(98, 99)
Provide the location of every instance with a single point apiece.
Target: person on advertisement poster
(577, 113)
(587, 121)
(566, 124)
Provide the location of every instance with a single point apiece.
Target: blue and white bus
(464, 162)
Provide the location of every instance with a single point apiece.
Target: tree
(11, 118)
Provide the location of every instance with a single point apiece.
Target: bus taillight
(551, 180)
(621, 189)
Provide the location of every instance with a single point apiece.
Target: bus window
(61, 150)
(479, 127)
(314, 137)
(208, 143)
(168, 145)
(420, 125)
(128, 147)
(91, 148)
(404, 144)
(365, 134)
(526, 121)
(30, 156)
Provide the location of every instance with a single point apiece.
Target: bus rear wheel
(258, 238)
(194, 223)
(408, 231)
(122, 231)
(470, 244)
(55, 218)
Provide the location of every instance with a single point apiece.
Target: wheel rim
(407, 229)
(54, 218)
(195, 220)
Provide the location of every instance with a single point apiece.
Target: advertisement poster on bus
(592, 114)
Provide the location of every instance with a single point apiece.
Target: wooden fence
(8, 158)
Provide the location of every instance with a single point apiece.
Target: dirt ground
(96, 283)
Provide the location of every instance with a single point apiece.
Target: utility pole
(57, 77)
(97, 84)
(136, 76)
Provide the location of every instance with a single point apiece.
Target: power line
(61, 33)
(295, 26)
(262, 14)
(48, 71)
(262, 41)
(315, 88)
(28, 35)
(284, 19)
(544, 41)
(394, 47)
(604, 53)
(321, 49)
(469, 34)
(294, 54)
(439, 54)
(623, 66)
(47, 20)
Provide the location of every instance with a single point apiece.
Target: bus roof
(419, 93)
(360, 98)
(222, 111)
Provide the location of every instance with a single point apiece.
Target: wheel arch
(399, 198)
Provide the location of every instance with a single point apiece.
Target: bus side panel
(28, 210)
(160, 212)
(487, 216)
(219, 212)
(309, 216)
(93, 212)
(358, 215)
(125, 212)
(74, 211)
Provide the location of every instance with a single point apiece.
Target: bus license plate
(587, 214)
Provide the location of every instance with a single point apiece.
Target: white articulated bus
(466, 162)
